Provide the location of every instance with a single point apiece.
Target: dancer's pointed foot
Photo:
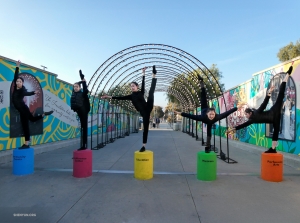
(24, 146)
(271, 150)
(199, 78)
(48, 113)
(143, 149)
(154, 70)
(290, 70)
(207, 149)
(81, 75)
(81, 148)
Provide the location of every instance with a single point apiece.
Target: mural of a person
(81, 105)
(139, 102)
(19, 92)
(208, 115)
(286, 130)
(287, 119)
(270, 116)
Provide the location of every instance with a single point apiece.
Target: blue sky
(241, 37)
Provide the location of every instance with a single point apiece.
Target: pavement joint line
(158, 172)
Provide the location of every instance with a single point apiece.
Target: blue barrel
(23, 161)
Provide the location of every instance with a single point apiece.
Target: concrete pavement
(113, 195)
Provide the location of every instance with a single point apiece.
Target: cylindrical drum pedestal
(82, 163)
(272, 167)
(206, 166)
(23, 161)
(143, 165)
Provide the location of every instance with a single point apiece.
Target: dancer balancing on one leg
(18, 101)
(208, 115)
(139, 102)
(272, 116)
(81, 105)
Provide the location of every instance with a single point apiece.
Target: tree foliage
(186, 87)
(289, 51)
(157, 112)
(119, 90)
(169, 115)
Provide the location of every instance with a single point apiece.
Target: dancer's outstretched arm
(28, 93)
(263, 106)
(194, 117)
(225, 114)
(245, 124)
(127, 97)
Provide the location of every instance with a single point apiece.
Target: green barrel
(206, 166)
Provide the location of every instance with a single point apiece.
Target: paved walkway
(113, 195)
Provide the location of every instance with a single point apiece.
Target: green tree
(119, 90)
(188, 86)
(157, 112)
(168, 115)
(289, 51)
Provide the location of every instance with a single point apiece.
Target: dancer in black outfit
(271, 116)
(138, 100)
(81, 105)
(17, 99)
(208, 115)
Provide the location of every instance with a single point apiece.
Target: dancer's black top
(80, 99)
(137, 98)
(259, 115)
(19, 94)
(203, 118)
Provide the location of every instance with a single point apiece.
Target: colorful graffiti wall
(55, 95)
(253, 93)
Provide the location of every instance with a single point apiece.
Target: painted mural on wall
(287, 121)
(63, 123)
(253, 92)
(34, 103)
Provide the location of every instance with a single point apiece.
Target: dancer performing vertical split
(18, 101)
(208, 115)
(139, 102)
(81, 105)
(272, 116)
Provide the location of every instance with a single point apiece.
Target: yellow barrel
(143, 165)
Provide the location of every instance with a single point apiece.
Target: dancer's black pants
(25, 117)
(203, 100)
(276, 110)
(83, 116)
(146, 112)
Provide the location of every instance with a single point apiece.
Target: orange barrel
(82, 163)
(272, 167)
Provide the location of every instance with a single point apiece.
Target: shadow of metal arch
(173, 63)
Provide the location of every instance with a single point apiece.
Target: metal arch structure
(171, 64)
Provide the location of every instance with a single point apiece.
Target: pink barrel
(82, 163)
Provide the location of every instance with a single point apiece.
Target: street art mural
(54, 95)
(34, 103)
(253, 92)
(287, 122)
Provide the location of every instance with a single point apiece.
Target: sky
(240, 37)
